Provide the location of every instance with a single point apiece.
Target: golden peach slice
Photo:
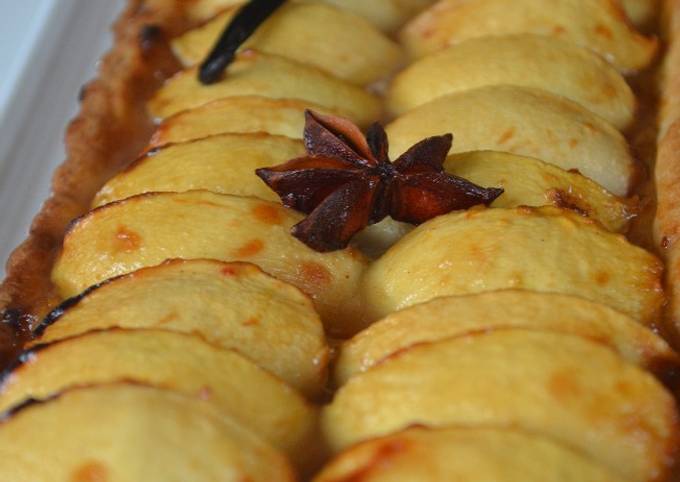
(146, 230)
(531, 182)
(231, 305)
(527, 182)
(452, 454)
(316, 34)
(128, 433)
(641, 12)
(574, 390)
(524, 121)
(453, 316)
(246, 114)
(525, 60)
(255, 73)
(385, 14)
(542, 249)
(173, 361)
(224, 163)
(600, 25)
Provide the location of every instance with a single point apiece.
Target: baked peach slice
(173, 361)
(532, 182)
(641, 12)
(146, 230)
(387, 15)
(259, 74)
(574, 390)
(245, 114)
(129, 433)
(452, 316)
(526, 182)
(422, 454)
(525, 60)
(527, 122)
(541, 249)
(223, 163)
(317, 34)
(600, 25)
(230, 305)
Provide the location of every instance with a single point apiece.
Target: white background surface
(48, 49)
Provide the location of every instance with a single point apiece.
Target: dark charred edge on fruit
(33, 402)
(20, 360)
(28, 403)
(667, 371)
(54, 315)
(148, 36)
(246, 21)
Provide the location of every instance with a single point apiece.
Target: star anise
(348, 182)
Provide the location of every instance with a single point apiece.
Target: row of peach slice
(202, 325)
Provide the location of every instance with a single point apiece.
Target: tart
(241, 275)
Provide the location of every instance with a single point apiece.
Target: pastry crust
(110, 130)
(667, 169)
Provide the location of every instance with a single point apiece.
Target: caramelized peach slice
(132, 433)
(452, 316)
(224, 163)
(641, 12)
(231, 305)
(600, 25)
(385, 14)
(524, 121)
(245, 114)
(146, 230)
(324, 36)
(255, 73)
(542, 249)
(479, 454)
(527, 182)
(525, 60)
(565, 387)
(178, 362)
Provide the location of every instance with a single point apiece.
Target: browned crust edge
(667, 168)
(109, 131)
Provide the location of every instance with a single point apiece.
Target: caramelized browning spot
(559, 29)
(91, 472)
(251, 248)
(315, 274)
(506, 136)
(565, 200)
(563, 385)
(604, 31)
(230, 271)
(573, 143)
(127, 240)
(252, 321)
(268, 214)
(602, 278)
(382, 457)
(609, 91)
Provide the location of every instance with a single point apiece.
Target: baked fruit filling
(275, 288)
